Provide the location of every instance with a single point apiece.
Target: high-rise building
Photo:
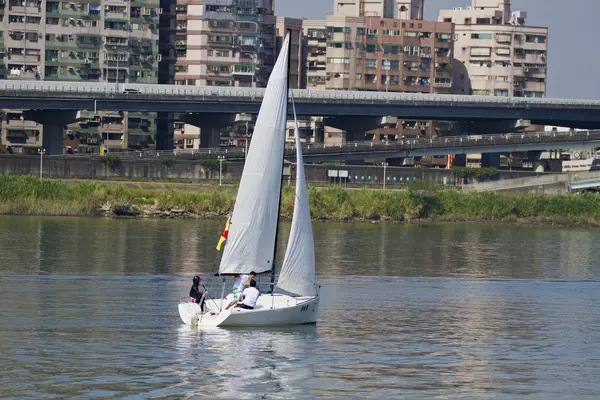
(112, 41)
(501, 55)
(222, 43)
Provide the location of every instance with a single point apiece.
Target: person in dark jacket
(196, 293)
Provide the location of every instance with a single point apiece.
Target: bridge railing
(445, 145)
(175, 92)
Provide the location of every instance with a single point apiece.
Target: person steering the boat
(196, 295)
(240, 283)
(249, 297)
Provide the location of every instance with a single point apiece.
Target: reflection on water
(88, 310)
(115, 247)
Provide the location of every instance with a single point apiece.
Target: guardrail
(444, 144)
(9, 88)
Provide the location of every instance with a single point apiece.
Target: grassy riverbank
(26, 195)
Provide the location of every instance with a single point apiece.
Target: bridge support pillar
(539, 165)
(460, 160)
(355, 129)
(53, 123)
(164, 131)
(210, 126)
(490, 160)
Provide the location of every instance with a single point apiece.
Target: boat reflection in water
(242, 363)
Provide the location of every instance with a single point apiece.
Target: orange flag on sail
(224, 234)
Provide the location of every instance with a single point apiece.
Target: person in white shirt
(249, 297)
(240, 283)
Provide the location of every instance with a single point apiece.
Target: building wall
(113, 41)
(409, 9)
(499, 57)
(363, 8)
(294, 26)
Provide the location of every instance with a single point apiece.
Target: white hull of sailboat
(270, 310)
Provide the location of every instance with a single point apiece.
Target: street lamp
(384, 175)
(41, 153)
(221, 159)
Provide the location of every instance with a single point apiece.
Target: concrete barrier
(196, 172)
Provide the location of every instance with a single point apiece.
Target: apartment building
(380, 54)
(222, 43)
(314, 56)
(501, 55)
(112, 41)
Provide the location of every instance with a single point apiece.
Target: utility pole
(384, 173)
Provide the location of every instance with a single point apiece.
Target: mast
(272, 284)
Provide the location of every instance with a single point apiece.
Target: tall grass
(26, 195)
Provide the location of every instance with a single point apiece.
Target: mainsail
(252, 233)
(298, 270)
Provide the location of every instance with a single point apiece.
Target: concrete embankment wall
(196, 172)
(545, 184)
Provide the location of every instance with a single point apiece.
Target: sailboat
(252, 238)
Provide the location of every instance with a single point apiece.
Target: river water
(88, 309)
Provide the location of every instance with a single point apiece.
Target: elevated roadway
(514, 142)
(49, 95)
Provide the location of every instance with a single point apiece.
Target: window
(481, 51)
(503, 38)
(501, 64)
(371, 48)
(467, 21)
(481, 35)
(338, 60)
(481, 63)
(447, 19)
(535, 39)
(359, 77)
(371, 63)
(533, 94)
(444, 37)
(219, 53)
(483, 21)
(501, 92)
(243, 68)
(393, 65)
(390, 49)
(411, 34)
(371, 32)
(503, 51)
(338, 29)
(339, 45)
(481, 92)
(390, 32)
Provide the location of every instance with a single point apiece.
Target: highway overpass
(513, 142)
(68, 96)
